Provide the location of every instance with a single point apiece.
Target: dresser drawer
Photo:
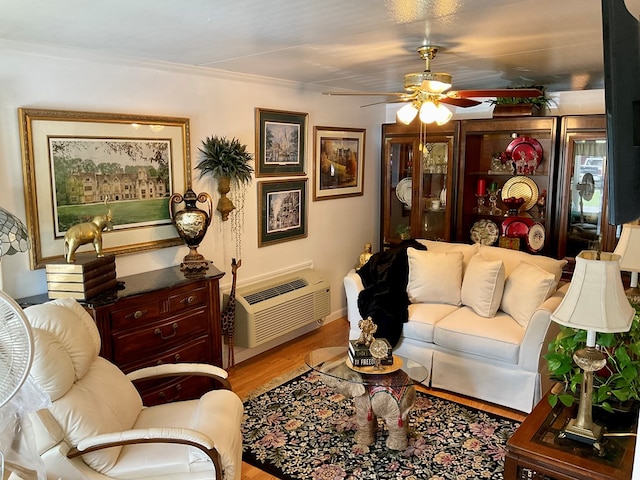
(188, 297)
(175, 390)
(196, 351)
(144, 310)
(135, 314)
(159, 336)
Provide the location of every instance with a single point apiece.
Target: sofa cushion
(525, 289)
(434, 277)
(468, 251)
(465, 331)
(482, 285)
(423, 318)
(513, 258)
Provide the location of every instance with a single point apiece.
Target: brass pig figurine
(88, 232)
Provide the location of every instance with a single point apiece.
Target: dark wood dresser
(159, 317)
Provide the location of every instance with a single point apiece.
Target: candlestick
(482, 187)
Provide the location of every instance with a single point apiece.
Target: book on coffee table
(360, 356)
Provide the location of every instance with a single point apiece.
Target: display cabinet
(502, 160)
(582, 213)
(419, 175)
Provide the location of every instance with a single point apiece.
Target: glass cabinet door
(583, 217)
(417, 196)
(398, 196)
(436, 195)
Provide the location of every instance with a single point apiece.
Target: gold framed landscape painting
(77, 165)
(338, 162)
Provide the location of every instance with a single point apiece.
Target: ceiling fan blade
(370, 94)
(460, 102)
(499, 92)
(381, 103)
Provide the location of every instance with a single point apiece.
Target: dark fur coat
(384, 297)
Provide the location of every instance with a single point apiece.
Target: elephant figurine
(87, 232)
(388, 396)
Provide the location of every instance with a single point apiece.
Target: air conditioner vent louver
(275, 307)
(275, 291)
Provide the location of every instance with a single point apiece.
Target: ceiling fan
(427, 91)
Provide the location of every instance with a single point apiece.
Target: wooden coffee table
(536, 452)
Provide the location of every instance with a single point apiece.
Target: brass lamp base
(582, 428)
(590, 436)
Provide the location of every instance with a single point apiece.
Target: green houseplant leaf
(617, 382)
(221, 157)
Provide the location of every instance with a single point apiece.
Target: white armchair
(96, 426)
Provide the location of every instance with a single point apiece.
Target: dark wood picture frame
(280, 143)
(282, 211)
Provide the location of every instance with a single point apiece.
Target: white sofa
(479, 319)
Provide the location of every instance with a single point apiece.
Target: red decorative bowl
(513, 204)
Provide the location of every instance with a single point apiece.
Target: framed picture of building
(338, 162)
(280, 143)
(78, 165)
(282, 211)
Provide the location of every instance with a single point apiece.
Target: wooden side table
(535, 452)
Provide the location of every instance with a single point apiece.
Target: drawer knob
(138, 314)
(189, 300)
(158, 332)
(163, 396)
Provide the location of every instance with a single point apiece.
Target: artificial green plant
(616, 383)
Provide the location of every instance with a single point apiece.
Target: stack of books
(360, 356)
(84, 279)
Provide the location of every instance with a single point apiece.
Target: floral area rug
(303, 429)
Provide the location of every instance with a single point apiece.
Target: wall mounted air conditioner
(272, 308)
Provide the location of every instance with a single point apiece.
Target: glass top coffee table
(387, 391)
(332, 360)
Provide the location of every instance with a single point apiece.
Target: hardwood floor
(257, 371)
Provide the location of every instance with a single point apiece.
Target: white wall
(215, 105)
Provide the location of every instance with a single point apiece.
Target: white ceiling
(364, 45)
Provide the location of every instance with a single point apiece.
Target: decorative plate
(484, 232)
(535, 237)
(525, 148)
(514, 227)
(397, 365)
(403, 191)
(523, 187)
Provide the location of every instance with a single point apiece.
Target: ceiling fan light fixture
(407, 113)
(444, 114)
(428, 112)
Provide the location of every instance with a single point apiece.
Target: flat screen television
(621, 39)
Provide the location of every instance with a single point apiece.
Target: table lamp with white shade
(629, 250)
(595, 302)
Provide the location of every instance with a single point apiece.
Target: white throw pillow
(483, 285)
(434, 277)
(513, 258)
(525, 289)
(468, 251)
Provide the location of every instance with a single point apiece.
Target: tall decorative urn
(191, 224)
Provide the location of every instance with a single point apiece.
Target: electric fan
(16, 354)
